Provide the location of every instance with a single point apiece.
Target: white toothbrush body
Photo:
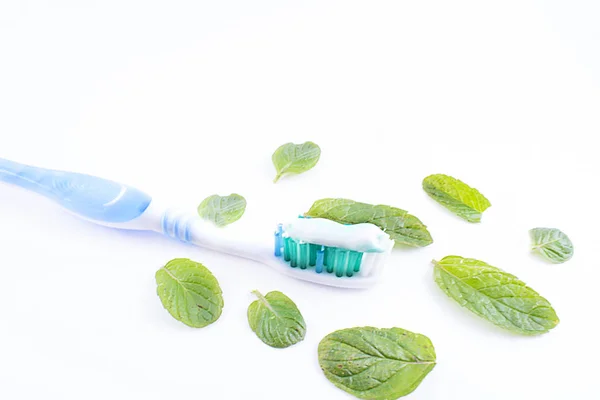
(120, 206)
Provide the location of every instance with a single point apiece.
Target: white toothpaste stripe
(119, 196)
(360, 237)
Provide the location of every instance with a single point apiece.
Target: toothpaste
(366, 238)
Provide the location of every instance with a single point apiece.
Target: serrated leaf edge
(516, 329)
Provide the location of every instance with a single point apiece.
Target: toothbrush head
(330, 253)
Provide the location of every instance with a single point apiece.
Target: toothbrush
(311, 249)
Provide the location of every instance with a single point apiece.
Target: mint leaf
(457, 196)
(553, 244)
(189, 292)
(222, 210)
(293, 158)
(495, 295)
(276, 320)
(403, 227)
(376, 364)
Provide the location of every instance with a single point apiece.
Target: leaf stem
(276, 178)
(259, 295)
(264, 300)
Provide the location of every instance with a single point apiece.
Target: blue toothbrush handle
(116, 205)
(90, 197)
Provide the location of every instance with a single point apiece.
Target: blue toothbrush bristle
(278, 240)
(323, 259)
(319, 259)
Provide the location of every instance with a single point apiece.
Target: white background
(188, 99)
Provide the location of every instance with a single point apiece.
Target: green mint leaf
(456, 196)
(495, 295)
(222, 210)
(293, 158)
(189, 292)
(402, 227)
(276, 320)
(376, 364)
(553, 244)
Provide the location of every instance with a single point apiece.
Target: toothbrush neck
(229, 240)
